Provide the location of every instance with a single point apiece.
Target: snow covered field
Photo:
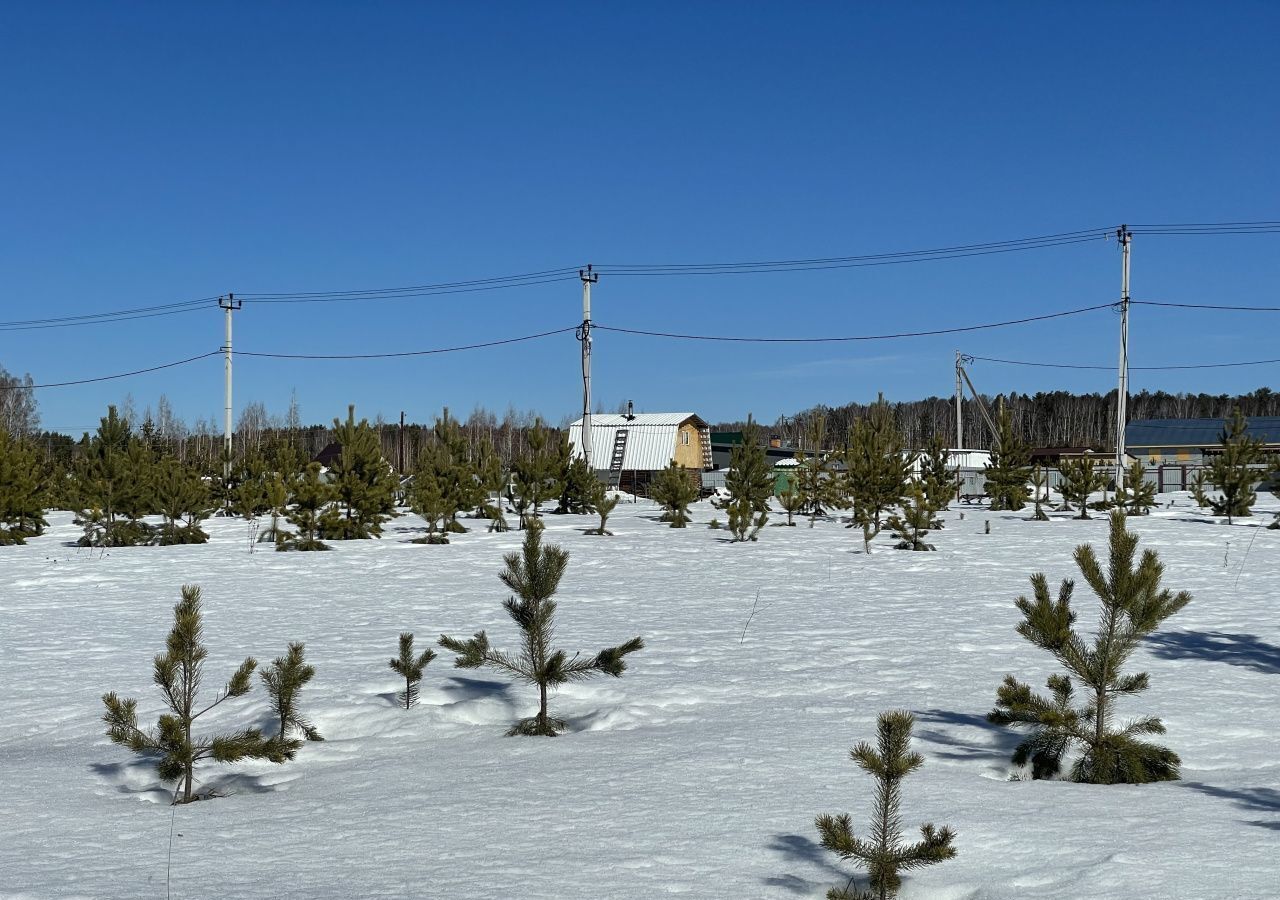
(699, 772)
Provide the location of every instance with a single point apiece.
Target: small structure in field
(628, 450)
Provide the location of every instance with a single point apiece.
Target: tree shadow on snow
(1260, 799)
(136, 777)
(995, 743)
(1245, 650)
(800, 848)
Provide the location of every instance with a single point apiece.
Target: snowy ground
(697, 773)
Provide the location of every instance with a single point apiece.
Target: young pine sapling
(883, 853)
(534, 575)
(1133, 605)
(603, 504)
(287, 676)
(410, 668)
(177, 672)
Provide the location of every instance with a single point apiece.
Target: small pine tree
(534, 575)
(1133, 605)
(1039, 493)
(1080, 478)
(249, 492)
(876, 470)
(816, 479)
(603, 503)
(750, 482)
(884, 854)
(277, 494)
(490, 478)
(24, 490)
(409, 667)
(937, 478)
(674, 489)
(577, 487)
(1240, 463)
(178, 674)
(311, 511)
(184, 500)
(1009, 468)
(791, 502)
(430, 494)
(288, 675)
(536, 473)
(363, 482)
(1138, 495)
(113, 485)
(914, 521)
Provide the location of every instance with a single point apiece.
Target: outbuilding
(628, 450)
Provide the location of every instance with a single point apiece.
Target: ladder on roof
(619, 452)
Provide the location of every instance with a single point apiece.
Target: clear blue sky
(157, 152)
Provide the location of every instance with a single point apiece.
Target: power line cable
(1046, 365)
(865, 337)
(842, 262)
(1206, 306)
(181, 362)
(515, 340)
(501, 280)
(341, 297)
(97, 318)
(102, 321)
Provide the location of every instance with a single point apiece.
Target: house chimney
(630, 411)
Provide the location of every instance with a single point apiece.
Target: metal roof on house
(651, 439)
(1194, 432)
(639, 420)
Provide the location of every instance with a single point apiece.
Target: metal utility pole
(584, 336)
(229, 304)
(1122, 394)
(959, 401)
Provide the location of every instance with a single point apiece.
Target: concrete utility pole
(959, 401)
(229, 304)
(584, 336)
(1122, 393)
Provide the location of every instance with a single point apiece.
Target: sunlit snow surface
(699, 772)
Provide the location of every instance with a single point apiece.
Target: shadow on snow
(1234, 649)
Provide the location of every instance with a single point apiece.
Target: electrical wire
(140, 312)
(103, 321)
(865, 337)
(433, 292)
(841, 262)
(1206, 306)
(515, 340)
(181, 362)
(1023, 362)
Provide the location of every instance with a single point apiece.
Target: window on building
(684, 438)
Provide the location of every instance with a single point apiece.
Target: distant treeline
(1052, 419)
(257, 432)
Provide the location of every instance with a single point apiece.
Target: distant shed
(629, 449)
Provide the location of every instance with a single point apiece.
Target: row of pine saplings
(1061, 726)
(886, 485)
(119, 478)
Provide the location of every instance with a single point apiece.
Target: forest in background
(1044, 419)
